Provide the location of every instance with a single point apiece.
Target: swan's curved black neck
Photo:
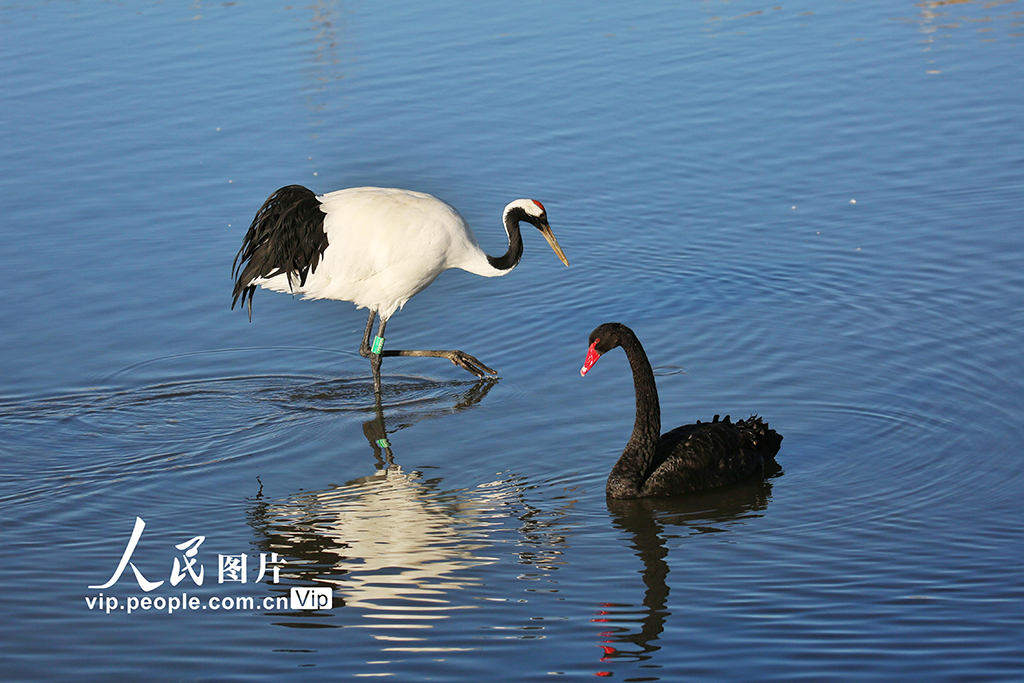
(633, 467)
(511, 258)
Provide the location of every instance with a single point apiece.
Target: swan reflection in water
(394, 543)
(631, 632)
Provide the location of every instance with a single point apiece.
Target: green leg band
(383, 443)
(378, 345)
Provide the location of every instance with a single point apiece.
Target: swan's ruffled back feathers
(709, 454)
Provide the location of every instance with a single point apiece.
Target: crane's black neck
(511, 258)
(633, 467)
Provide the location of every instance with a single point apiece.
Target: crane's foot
(469, 363)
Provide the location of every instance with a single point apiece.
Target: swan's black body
(689, 458)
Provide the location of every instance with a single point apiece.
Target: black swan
(688, 458)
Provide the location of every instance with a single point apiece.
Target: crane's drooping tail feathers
(286, 238)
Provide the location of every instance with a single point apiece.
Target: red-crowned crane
(376, 247)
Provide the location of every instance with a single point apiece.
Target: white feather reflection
(395, 544)
(391, 543)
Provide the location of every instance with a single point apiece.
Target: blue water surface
(808, 211)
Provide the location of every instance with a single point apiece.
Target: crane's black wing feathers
(286, 238)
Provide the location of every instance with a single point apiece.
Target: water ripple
(188, 418)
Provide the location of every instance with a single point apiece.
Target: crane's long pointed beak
(550, 237)
(592, 355)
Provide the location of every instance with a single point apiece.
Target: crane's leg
(364, 348)
(366, 351)
(463, 360)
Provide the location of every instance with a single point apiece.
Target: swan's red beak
(592, 355)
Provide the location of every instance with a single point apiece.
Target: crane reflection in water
(396, 544)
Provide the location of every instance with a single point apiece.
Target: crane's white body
(385, 246)
(376, 247)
